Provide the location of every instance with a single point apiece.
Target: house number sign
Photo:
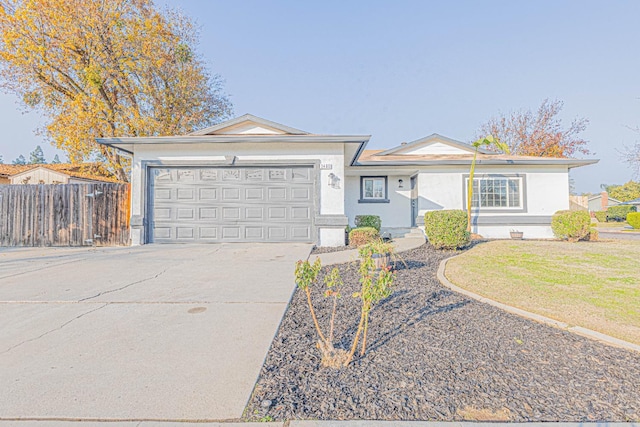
(326, 166)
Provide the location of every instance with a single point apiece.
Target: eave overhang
(128, 144)
(571, 163)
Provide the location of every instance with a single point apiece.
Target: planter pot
(516, 235)
(381, 260)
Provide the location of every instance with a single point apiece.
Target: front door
(414, 200)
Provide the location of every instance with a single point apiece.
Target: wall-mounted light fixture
(400, 183)
(334, 181)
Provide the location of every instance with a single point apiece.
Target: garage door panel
(230, 194)
(300, 212)
(300, 233)
(230, 232)
(220, 204)
(254, 233)
(209, 233)
(208, 214)
(208, 193)
(254, 213)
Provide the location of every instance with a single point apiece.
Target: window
(497, 192)
(373, 189)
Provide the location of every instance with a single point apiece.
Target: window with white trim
(497, 192)
(374, 188)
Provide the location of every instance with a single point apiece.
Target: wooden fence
(64, 215)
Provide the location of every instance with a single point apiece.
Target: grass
(612, 224)
(591, 284)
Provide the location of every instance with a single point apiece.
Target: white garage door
(231, 204)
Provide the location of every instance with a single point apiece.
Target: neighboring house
(6, 171)
(602, 202)
(253, 180)
(634, 202)
(60, 173)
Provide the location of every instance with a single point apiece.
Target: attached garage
(244, 180)
(231, 204)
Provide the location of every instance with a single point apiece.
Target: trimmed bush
(447, 229)
(633, 218)
(368, 221)
(571, 225)
(619, 213)
(362, 236)
(601, 216)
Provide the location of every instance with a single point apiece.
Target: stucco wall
(546, 190)
(331, 199)
(395, 214)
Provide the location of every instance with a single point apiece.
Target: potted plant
(516, 235)
(380, 251)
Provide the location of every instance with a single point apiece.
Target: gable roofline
(35, 168)
(600, 195)
(447, 140)
(67, 169)
(248, 117)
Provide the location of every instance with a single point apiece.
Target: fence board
(64, 215)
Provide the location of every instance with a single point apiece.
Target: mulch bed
(317, 250)
(436, 355)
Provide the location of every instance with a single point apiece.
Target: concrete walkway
(401, 244)
(173, 332)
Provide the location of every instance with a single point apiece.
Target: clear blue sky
(400, 70)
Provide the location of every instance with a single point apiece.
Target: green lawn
(591, 284)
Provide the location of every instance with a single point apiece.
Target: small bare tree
(538, 133)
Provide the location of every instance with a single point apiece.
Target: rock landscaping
(436, 355)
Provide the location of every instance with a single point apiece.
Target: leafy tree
(20, 160)
(1, 160)
(490, 142)
(625, 192)
(97, 68)
(37, 156)
(539, 133)
(56, 160)
(631, 155)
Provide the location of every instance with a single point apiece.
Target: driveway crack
(125, 286)
(55, 329)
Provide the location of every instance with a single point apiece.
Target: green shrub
(447, 229)
(368, 221)
(571, 225)
(601, 216)
(592, 235)
(362, 236)
(619, 213)
(633, 218)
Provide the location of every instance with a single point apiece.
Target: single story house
(58, 173)
(6, 171)
(601, 202)
(634, 202)
(253, 180)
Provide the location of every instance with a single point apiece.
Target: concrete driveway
(173, 332)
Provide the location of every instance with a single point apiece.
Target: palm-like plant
(490, 142)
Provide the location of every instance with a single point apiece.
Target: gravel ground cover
(435, 355)
(328, 249)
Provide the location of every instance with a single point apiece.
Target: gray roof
(632, 202)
